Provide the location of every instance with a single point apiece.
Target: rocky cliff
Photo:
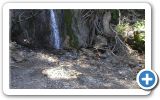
(77, 28)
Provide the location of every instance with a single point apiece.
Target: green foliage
(138, 41)
(121, 28)
(139, 29)
(139, 25)
(115, 16)
(139, 37)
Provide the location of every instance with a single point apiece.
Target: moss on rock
(73, 40)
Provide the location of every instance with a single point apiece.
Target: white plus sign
(147, 79)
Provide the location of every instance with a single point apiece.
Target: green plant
(139, 25)
(121, 28)
(139, 36)
(114, 16)
(138, 41)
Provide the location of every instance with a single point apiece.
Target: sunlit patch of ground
(47, 57)
(60, 73)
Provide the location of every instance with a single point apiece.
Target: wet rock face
(80, 29)
(29, 27)
(33, 28)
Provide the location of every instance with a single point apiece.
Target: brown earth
(62, 69)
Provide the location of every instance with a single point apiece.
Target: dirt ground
(40, 69)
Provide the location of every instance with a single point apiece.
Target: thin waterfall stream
(55, 35)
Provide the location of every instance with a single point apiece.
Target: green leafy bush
(139, 37)
(139, 25)
(122, 28)
(138, 29)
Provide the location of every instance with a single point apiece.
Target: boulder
(106, 25)
(100, 42)
(80, 29)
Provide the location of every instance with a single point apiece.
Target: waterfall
(55, 36)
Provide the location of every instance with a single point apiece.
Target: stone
(80, 29)
(88, 52)
(100, 42)
(106, 25)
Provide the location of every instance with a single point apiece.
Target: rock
(106, 25)
(29, 32)
(80, 29)
(66, 42)
(71, 55)
(88, 52)
(130, 34)
(18, 56)
(100, 42)
(103, 56)
(74, 32)
(126, 73)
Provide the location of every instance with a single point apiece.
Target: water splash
(55, 36)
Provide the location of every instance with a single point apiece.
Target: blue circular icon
(147, 79)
